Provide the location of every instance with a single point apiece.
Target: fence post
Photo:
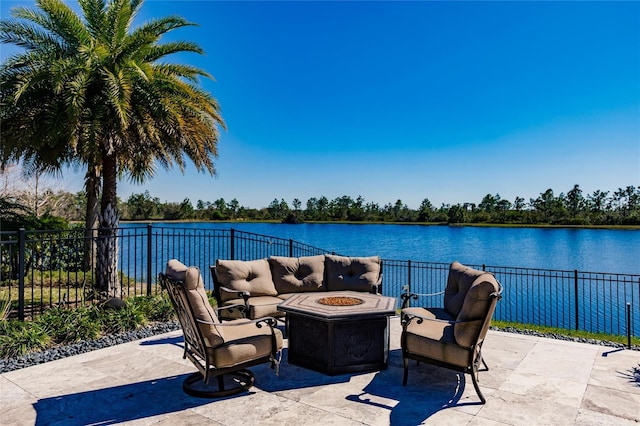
(409, 280)
(575, 296)
(290, 247)
(232, 245)
(21, 272)
(484, 267)
(628, 325)
(149, 251)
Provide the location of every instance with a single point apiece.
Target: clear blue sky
(441, 100)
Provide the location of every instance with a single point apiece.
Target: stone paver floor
(531, 381)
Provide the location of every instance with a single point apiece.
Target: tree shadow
(632, 375)
(176, 341)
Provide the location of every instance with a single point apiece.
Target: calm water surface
(595, 250)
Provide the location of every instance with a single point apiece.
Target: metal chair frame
(475, 351)
(195, 349)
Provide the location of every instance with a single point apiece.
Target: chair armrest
(242, 308)
(405, 319)
(199, 321)
(377, 286)
(236, 294)
(498, 294)
(270, 321)
(407, 296)
(259, 323)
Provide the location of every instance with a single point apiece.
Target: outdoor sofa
(254, 289)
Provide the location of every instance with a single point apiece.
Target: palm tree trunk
(92, 187)
(107, 279)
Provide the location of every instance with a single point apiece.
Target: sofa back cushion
(197, 298)
(297, 274)
(252, 276)
(352, 273)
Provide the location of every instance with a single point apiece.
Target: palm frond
(159, 51)
(94, 13)
(161, 26)
(59, 19)
(23, 35)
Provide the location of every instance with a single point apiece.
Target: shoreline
(477, 225)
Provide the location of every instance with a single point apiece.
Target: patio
(532, 380)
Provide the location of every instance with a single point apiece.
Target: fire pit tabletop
(311, 303)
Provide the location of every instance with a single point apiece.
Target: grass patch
(635, 341)
(56, 278)
(56, 289)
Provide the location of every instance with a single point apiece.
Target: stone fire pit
(339, 332)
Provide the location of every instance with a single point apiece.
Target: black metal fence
(40, 269)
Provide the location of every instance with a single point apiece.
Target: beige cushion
(435, 340)
(198, 299)
(352, 273)
(264, 306)
(475, 309)
(297, 274)
(460, 279)
(253, 276)
(245, 341)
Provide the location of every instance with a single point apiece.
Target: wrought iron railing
(40, 269)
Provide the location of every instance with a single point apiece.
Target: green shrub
(117, 320)
(212, 300)
(155, 308)
(71, 325)
(18, 338)
(5, 306)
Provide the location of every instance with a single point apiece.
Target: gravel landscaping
(36, 358)
(563, 337)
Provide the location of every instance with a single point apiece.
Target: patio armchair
(218, 350)
(451, 336)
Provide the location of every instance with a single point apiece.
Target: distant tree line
(620, 207)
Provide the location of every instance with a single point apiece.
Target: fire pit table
(338, 332)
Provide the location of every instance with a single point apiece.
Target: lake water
(595, 250)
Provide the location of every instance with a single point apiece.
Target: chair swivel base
(219, 386)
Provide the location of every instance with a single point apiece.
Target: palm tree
(111, 101)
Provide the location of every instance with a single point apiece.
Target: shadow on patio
(141, 383)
